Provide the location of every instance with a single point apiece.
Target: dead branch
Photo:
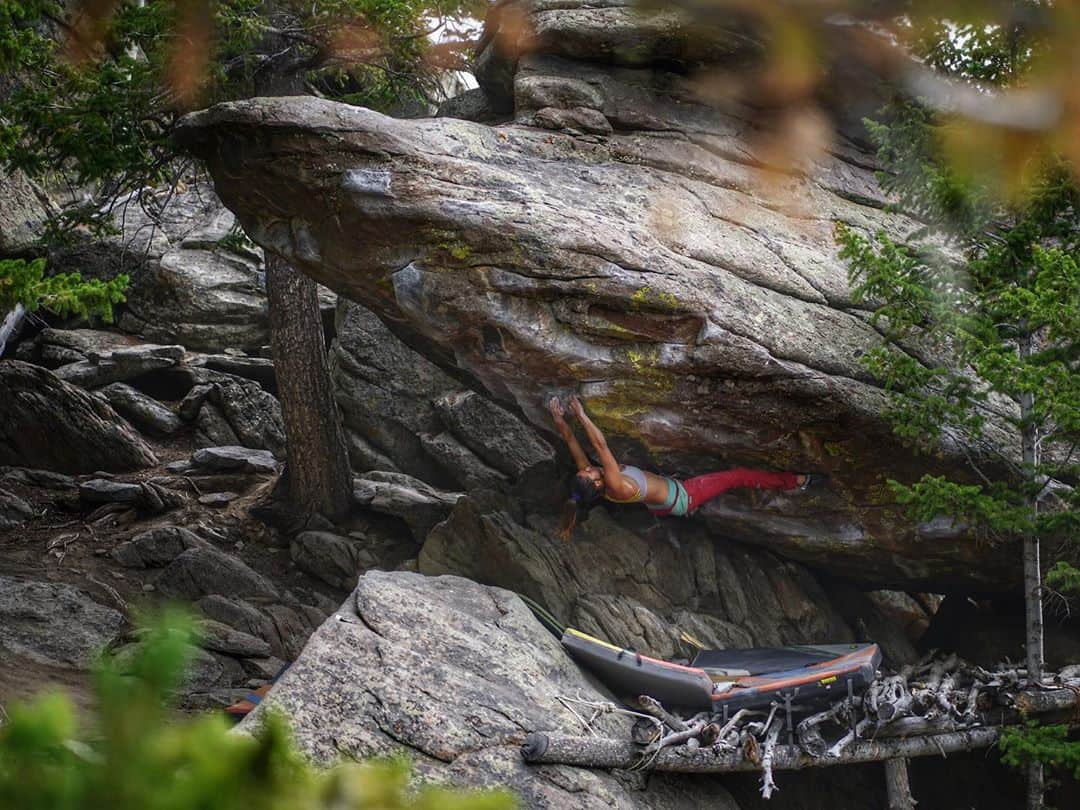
(651, 706)
(767, 783)
(849, 738)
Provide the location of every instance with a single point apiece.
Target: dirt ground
(71, 542)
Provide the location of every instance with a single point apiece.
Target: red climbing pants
(704, 488)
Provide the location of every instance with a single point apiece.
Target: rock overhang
(691, 295)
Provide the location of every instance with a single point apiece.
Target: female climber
(625, 484)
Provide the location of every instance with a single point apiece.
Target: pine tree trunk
(1032, 570)
(318, 478)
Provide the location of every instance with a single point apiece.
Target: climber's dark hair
(584, 495)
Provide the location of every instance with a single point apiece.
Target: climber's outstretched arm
(613, 476)
(567, 433)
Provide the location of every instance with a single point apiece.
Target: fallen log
(597, 752)
(9, 326)
(1051, 700)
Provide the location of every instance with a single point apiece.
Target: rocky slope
(625, 241)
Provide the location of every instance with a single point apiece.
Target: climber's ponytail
(568, 518)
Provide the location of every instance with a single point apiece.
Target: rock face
(620, 240)
(24, 209)
(403, 413)
(193, 279)
(27, 608)
(46, 422)
(455, 674)
(641, 589)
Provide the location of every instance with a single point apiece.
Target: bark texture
(318, 478)
(598, 752)
(897, 786)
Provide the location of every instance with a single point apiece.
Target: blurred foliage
(66, 294)
(140, 756)
(94, 88)
(1017, 60)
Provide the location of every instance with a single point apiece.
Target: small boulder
(328, 557)
(212, 429)
(238, 614)
(419, 505)
(234, 458)
(54, 623)
(157, 547)
(39, 478)
(221, 638)
(258, 369)
(252, 413)
(218, 499)
(102, 490)
(144, 412)
(204, 570)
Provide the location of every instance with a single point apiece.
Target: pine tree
(24, 283)
(981, 315)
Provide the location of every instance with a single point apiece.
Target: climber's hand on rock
(556, 408)
(578, 409)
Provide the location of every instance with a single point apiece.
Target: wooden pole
(897, 786)
(596, 752)
(1029, 442)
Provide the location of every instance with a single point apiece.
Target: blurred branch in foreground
(1004, 70)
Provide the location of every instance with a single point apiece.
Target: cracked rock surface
(455, 674)
(656, 266)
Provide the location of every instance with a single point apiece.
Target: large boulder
(689, 293)
(24, 209)
(46, 422)
(403, 413)
(642, 589)
(454, 674)
(54, 624)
